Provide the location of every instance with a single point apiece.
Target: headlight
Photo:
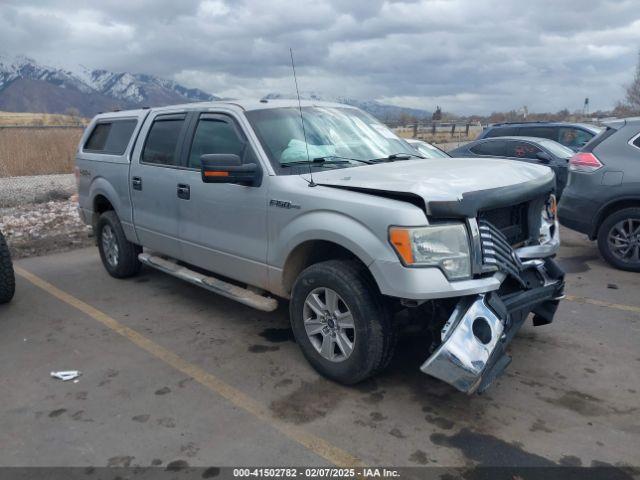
(548, 220)
(550, 209)
(445, 246)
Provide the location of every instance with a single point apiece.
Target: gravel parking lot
(171, 373)
(38, 215)
(17, 191)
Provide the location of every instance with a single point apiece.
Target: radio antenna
(304, 132)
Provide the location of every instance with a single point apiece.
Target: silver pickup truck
(322, 205)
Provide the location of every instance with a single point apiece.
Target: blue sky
(467, 56)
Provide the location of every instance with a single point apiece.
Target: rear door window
(494, 148)
(543, 132)
(574, 138)
(110, 138)
(521, 150)
(214, 134)
(163, 141)
(501, 132)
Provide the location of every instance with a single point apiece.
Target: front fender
(329, 226)
(332, 227)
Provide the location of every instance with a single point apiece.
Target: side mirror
(544, 157)
(228, 168)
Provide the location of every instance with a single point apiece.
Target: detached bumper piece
(474, 338)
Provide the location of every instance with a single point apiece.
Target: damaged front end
(472, 352)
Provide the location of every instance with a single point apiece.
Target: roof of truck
(242, 104)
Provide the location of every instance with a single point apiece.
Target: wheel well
(311, 252)
(101, 204)
(613, 207)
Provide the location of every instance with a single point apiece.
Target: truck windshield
(345, 134)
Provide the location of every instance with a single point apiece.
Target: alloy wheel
(110, 246)
(329, 324)
(624, 240)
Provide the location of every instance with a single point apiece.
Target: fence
(440, 132)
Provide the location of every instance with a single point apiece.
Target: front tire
(340, 321)
(7, 276)
(119, 256)
(619, 239)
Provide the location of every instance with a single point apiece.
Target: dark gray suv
(602, 198)
(572, 135)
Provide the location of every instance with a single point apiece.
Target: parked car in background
(525, 149)
(426, 149)
(602, 198)
(572, 135)
(7, 278)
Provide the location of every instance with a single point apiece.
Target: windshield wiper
(327, 160)
(397, 156)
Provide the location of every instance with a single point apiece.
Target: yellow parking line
(600, 303)
(310, 441)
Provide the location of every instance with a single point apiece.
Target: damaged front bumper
(474, 338)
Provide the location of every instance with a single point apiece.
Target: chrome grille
(497, 252)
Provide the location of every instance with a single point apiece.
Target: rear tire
(619, 239)
(339, 301)
(7, 276)
(119, 256)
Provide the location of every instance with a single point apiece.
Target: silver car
(321, 205)
(426, 149)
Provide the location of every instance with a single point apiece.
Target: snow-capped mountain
(384, 112)
(26, 85)
(13, 68)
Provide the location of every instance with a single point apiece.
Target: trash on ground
(66, 375)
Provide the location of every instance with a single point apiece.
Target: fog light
(482, 330)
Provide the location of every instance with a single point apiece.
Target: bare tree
(437, 115)
(633, 90)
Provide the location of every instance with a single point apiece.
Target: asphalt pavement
(172, 373)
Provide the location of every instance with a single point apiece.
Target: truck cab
(321, 205)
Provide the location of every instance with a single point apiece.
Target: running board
(239, 294)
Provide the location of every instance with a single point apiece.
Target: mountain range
(28, 86)
(382, 111)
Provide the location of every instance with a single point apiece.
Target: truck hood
(449, 186)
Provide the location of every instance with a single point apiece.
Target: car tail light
(584, 162)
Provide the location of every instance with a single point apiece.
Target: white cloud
(468, 56)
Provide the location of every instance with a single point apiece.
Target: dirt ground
(41, 228)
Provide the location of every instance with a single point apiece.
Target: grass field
(39, 119)
(37, 151)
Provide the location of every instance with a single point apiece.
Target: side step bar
(239, 294)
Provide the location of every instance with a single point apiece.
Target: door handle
(184, 191)
(136, 183)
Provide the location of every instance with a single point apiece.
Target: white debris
(67, 375)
